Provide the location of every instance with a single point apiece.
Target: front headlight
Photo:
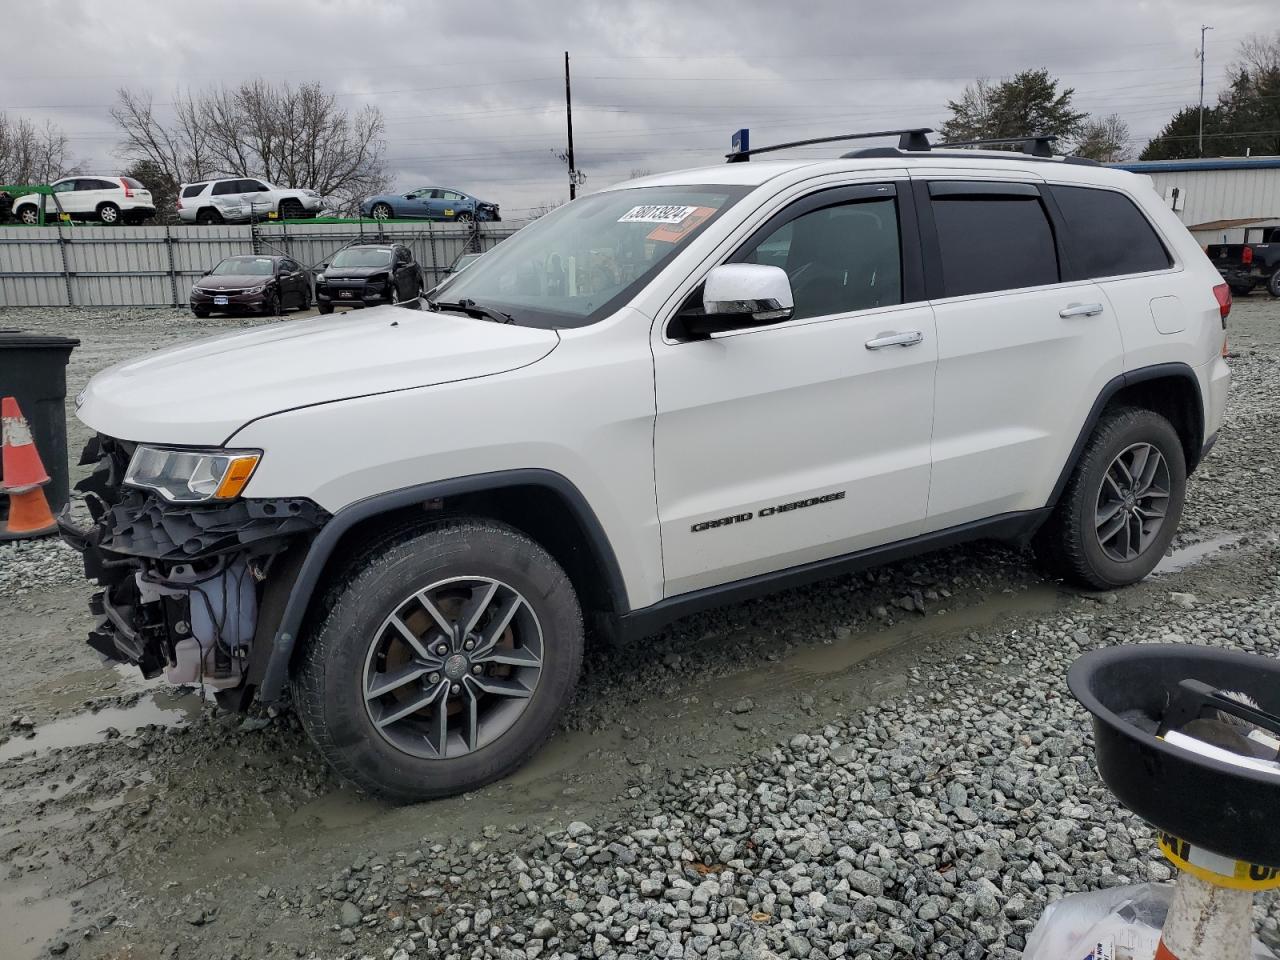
(258, 289)
(191, 476)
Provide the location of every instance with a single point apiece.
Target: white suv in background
(233, 200)
(679, 392)
(110, 200)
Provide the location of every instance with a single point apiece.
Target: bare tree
(1105, 139)
(30, 154)
(292, 136)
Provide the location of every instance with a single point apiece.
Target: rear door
(793, 443)
(92, 191)
(1023, 349)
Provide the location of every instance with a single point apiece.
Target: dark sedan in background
(365, 275)
(252, 284)
(429, 203)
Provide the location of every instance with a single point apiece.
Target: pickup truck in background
(1248, 265)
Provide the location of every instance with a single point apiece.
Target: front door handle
(1080, 310)
(907, 338)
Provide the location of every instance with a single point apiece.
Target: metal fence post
(435, 266)
(173, 273)
(66, 269)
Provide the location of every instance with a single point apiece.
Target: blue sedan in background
(429, 203)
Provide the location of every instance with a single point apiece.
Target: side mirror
(736, 296)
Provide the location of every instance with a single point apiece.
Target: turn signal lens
(238, 473)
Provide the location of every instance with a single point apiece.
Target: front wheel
(29, 215)
(1122, 504)
(201, 313)
(444, 661)
(466, 216)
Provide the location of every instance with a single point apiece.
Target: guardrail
(59, 266)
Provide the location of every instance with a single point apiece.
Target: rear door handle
(907, 338)
(1080, 310)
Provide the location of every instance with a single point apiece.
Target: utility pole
(568, 113)
(1200, 140)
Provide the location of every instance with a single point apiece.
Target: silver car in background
(238, 199)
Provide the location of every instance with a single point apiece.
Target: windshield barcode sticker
(656, 213)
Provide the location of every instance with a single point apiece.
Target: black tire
(109, 214)
(1241, 290)
(1069, 545)
(381, 211)
(273, 305)
(322, 307)
(1273, 285)
(465, 216)
(201, 312)
(306, 298)
(28, 214)
(208, 216)
(290, 209)
(328, 691)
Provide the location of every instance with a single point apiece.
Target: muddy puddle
(28, 919)
(168, 708)
(1188, 556)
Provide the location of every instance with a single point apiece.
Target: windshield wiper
(472, 309)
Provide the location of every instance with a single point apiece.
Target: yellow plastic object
(1216, 869)
(238, 473)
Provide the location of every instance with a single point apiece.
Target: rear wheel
(381, 211)
(1122, 504)
(208, 215)
(109, 214)
(1273, 285)
(444, 661)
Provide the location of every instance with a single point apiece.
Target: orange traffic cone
(23, 476)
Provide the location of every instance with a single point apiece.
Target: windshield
(583, 261)
(243, 267)
(362, 257)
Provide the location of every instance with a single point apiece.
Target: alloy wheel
(453, 667)
(1132, 502)
(381, 212)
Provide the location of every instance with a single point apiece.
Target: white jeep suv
(675, 393)
(238, 199)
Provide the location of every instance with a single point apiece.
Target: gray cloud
(474, 97)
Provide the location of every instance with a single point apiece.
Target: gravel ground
(880, 765)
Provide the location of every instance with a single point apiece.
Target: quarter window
(996, 241)
(1107, 236)
(839, 259)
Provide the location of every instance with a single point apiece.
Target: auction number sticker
(657, 213)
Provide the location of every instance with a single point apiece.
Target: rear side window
(227, 186)
(1107, 236)
(194, 190)
(98, 185)
(839, 259)
(993, 242)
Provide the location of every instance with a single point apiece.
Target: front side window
(587, 258)
(65, 186)
(251, 186)
(244, 267)
(839, 259)
(362, 257)
(994, 241)
(1107, 235)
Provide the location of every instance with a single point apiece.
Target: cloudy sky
(473, 93)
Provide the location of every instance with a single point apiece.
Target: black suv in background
(258, 284)
(368, 274)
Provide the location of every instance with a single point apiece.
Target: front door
(1022, 353)
(787, 444)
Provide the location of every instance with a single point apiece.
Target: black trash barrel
(33, 370)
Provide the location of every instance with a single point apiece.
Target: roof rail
(912, 138)
(1035, 145)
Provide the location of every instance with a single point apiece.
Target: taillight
(127, 191)
(1222, 293)
(179, 203)
(1246, 256)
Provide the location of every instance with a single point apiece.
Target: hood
(202, 392)
(232, 281)
(353, 273)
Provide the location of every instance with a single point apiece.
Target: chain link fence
(62, 266)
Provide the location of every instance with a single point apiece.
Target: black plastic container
(33, 369)
(1210, 803)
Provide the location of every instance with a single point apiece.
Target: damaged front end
(187, 587)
